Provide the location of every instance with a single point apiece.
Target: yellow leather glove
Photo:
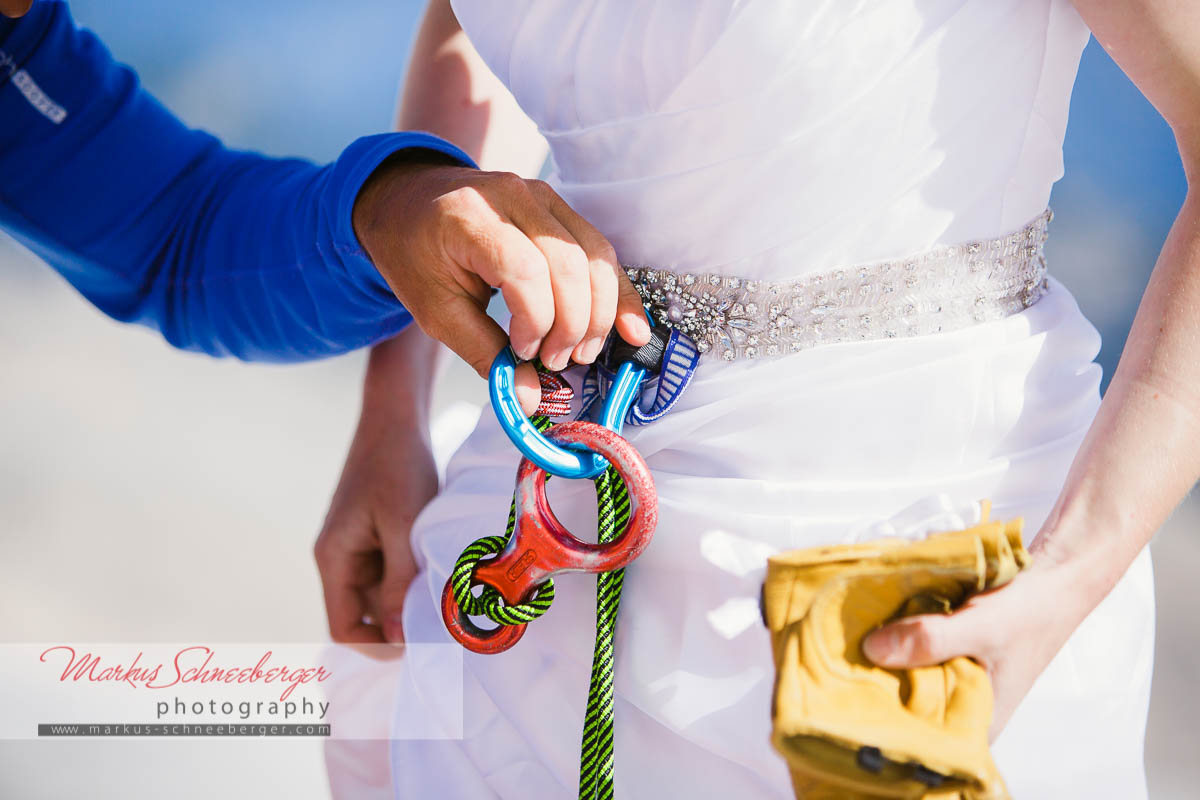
(854, 731)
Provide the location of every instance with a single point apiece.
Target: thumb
(923, 640)
(529, 388)
(631, 321)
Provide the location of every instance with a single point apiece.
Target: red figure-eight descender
(541, 547)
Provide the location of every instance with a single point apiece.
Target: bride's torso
(774, 139)
(770, 139)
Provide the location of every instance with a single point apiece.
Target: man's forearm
(222, 251)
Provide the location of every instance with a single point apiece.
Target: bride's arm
(450, 91)
(363, 551)
(1141, 455)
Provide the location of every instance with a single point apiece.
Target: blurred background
(149, 495)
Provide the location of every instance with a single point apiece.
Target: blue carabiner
(565, 462)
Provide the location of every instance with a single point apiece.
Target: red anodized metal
(541, 547)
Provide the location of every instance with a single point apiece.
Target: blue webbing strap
(680, 358)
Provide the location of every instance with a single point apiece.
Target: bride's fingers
(399, 569)
(929, 639)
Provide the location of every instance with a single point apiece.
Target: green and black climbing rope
(612, 514)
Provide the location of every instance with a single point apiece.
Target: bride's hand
(1013, 631)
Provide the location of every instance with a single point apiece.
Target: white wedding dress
(769, 140)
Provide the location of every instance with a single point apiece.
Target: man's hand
(15, 8)
(363, 551)
(443, 236)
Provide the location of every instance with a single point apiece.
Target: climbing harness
(514, 572)
(677, 360)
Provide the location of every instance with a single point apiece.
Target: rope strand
(596, 764)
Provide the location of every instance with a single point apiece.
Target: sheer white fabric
(770, 140)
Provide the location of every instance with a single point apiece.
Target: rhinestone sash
(944, 289)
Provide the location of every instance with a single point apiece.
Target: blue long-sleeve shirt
(223, 251)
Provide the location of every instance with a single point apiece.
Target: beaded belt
(944, 289)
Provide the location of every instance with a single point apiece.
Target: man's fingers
(925, 640)
(492, 246)
(559, 276)
(603, 269)
(399, 568)
(604, 311)
(342, 575)
(570, 280)
(614, 300)
(508, 259)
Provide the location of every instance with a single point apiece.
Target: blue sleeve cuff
(356, 163)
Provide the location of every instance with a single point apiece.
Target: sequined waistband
(944, 289)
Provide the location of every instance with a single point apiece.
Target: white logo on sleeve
(28, 87)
